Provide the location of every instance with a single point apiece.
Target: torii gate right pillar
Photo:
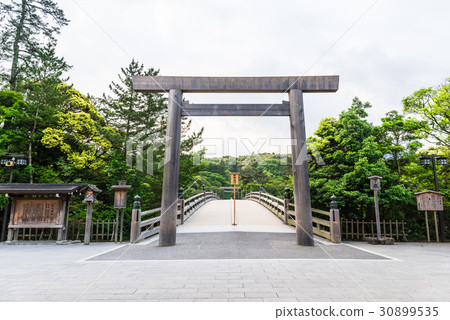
(302, 198)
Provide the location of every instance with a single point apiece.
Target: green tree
(141, 119)
(134, 113)
(399, 136)
(42, 90)
(80, 133)
(26, 26)
(351, 154)
(12, 106)
(432, 106)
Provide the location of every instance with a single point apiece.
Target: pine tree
(27, 25)
(133, 113)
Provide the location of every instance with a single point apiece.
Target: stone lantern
(90, 197)
(120, 203)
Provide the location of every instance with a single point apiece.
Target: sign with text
(234, 178)
(429, 201)
(37, 211)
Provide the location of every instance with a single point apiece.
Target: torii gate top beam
(235, 84)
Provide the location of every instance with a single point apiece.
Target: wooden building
(40, 205)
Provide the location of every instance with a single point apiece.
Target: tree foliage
(432, 106)
(26, 27)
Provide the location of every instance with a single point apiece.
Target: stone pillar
(169, 202)
(135, 230)
(335, 221)
(302, 198)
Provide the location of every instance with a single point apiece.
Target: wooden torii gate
(295, 86)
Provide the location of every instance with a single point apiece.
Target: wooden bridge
(259, 211)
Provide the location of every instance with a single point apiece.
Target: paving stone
(198, 295)
(227, 295)
(51, 273)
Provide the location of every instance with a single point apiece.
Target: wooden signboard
(234, 178)
(43, 212)
(429, 201)
(375, 183)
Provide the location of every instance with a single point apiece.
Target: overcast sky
(382, 51)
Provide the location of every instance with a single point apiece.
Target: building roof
(44, 188)
(429, 191)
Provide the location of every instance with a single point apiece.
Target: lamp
(441, 161)
(120, 203)
(424, 161)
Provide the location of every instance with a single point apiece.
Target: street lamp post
(440, 160)
(11, 161)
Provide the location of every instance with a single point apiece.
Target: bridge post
(204, 194)
(135, 230)
(335, 221)
(169, 202)
(287, 199)
(181, 201)
(302, 197)
(260, 191)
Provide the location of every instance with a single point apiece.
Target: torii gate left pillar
(296, 86)
(169, 203)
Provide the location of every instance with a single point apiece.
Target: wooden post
(234, 204)
(377, 215)
(87, 229)
(169, 202)
(204, 194)
(11, 232)
(135, 220)
(62, 221)
(426, 224)
(181, 201)
(116, 229)
(5, 221)
(335, 220)
(66, 224)
(363, 223)
(302, 197)
(287, 199)
(436, 225)
(121, 224)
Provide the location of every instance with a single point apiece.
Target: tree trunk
(30, 144)
(30, 158)
(15, 61)
(398, 170)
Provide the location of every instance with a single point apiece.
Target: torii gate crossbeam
(295, 86)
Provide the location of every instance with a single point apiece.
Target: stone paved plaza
(417, 272)
(212, 261)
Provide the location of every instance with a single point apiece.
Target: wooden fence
(101, 231)
(358, 230)
(325, 223)
(143, 227)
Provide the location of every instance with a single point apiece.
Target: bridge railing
(143, 227)
(325, 223)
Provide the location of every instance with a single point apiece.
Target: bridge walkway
(217, 216)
